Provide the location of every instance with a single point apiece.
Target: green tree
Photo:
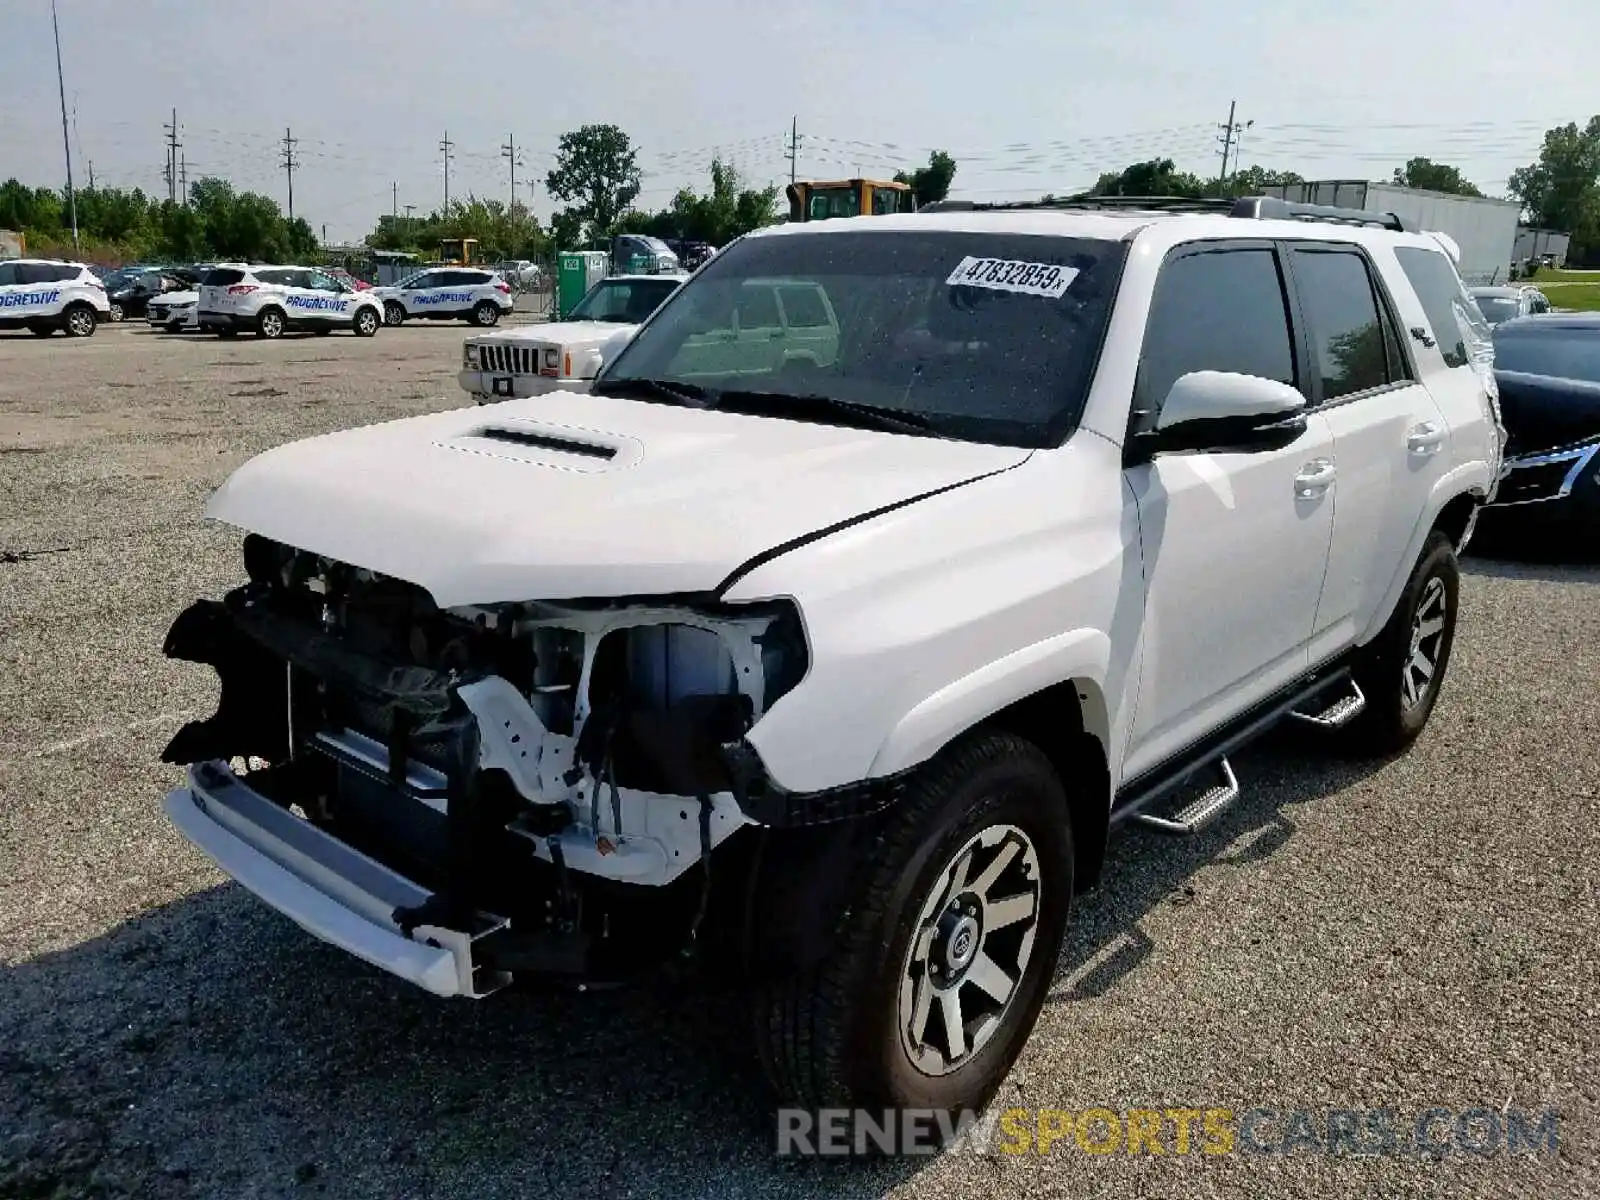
(728, 211)
(1154, 177)
(597, 170)
(1430, 176)
(932, 182)
(1252, 181)
(1562, 189)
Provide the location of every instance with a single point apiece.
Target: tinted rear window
(223, 277)
(1565, 353)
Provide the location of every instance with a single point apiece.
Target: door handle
(1424, 440)
(1314, 479)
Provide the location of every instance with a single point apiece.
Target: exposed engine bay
(501, 755)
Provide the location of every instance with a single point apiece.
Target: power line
(289, 164)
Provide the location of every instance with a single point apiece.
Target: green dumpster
(576, 272)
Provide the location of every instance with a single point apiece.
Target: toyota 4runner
(837, 664)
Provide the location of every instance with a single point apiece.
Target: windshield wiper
(690, 395)
(815, 404)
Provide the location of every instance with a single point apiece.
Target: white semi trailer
(1485, 229)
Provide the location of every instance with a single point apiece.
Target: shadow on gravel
(1145, 869)
(210, 1048)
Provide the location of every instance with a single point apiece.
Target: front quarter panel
(928, 619)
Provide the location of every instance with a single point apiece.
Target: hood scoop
(546, 444)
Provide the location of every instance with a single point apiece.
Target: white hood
(561, 333)
(669, 499)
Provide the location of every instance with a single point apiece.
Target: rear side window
(280, 277)
(804, 308)
(1350, 347)
(8, 274)
(222, 277)
(1443, 299)
(758, 308)
(43, 273)
(1218, 310)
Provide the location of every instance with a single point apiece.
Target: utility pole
(394, 198)
(289, 164)
(66, 143)
(91, 174)
(509, 151)
(444, 149)
(1227, 141)
(792, 151)
(173, 144)
(183, 176)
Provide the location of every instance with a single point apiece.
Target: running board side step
(1200, 812)
(1340, 713)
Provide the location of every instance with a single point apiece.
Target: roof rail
(1086, 201)
(1270, 208)
(1262, 208)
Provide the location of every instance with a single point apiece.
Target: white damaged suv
(836, 660)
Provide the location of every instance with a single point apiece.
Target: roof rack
(1261, 208)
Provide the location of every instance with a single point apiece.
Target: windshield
(983, 336)
(623, 302)
(1563, 353)
(1498, 308)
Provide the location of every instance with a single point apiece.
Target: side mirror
(1223, 411)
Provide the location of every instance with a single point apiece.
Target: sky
(1028, 97)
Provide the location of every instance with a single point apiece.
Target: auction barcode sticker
(1013, 275)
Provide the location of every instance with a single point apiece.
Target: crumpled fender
(961, 704)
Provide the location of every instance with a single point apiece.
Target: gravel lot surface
(1418, 933)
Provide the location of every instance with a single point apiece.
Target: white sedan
(175, 311)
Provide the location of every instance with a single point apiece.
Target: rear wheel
(270, 323)
(116, 313)
(937, 974)
(79, 321)
(394, 312)
(485, 313)
(1402, 669)
(366, 321)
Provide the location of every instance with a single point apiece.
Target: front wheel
(394, 312)
(366, 322)
(1402, 669)
(939, 970)
(115, 314)
(485, 314)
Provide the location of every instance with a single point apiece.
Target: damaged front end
(460, 794)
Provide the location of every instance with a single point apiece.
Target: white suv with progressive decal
(271, 301)
(834, 659)
(563, 356)
(448, 294)
(43, 295)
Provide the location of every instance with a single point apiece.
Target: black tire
(79, 321)
(394, 313)
(271, 322)
(366, 321)
(834, 1036)
(485, 313)
(1396, 713)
